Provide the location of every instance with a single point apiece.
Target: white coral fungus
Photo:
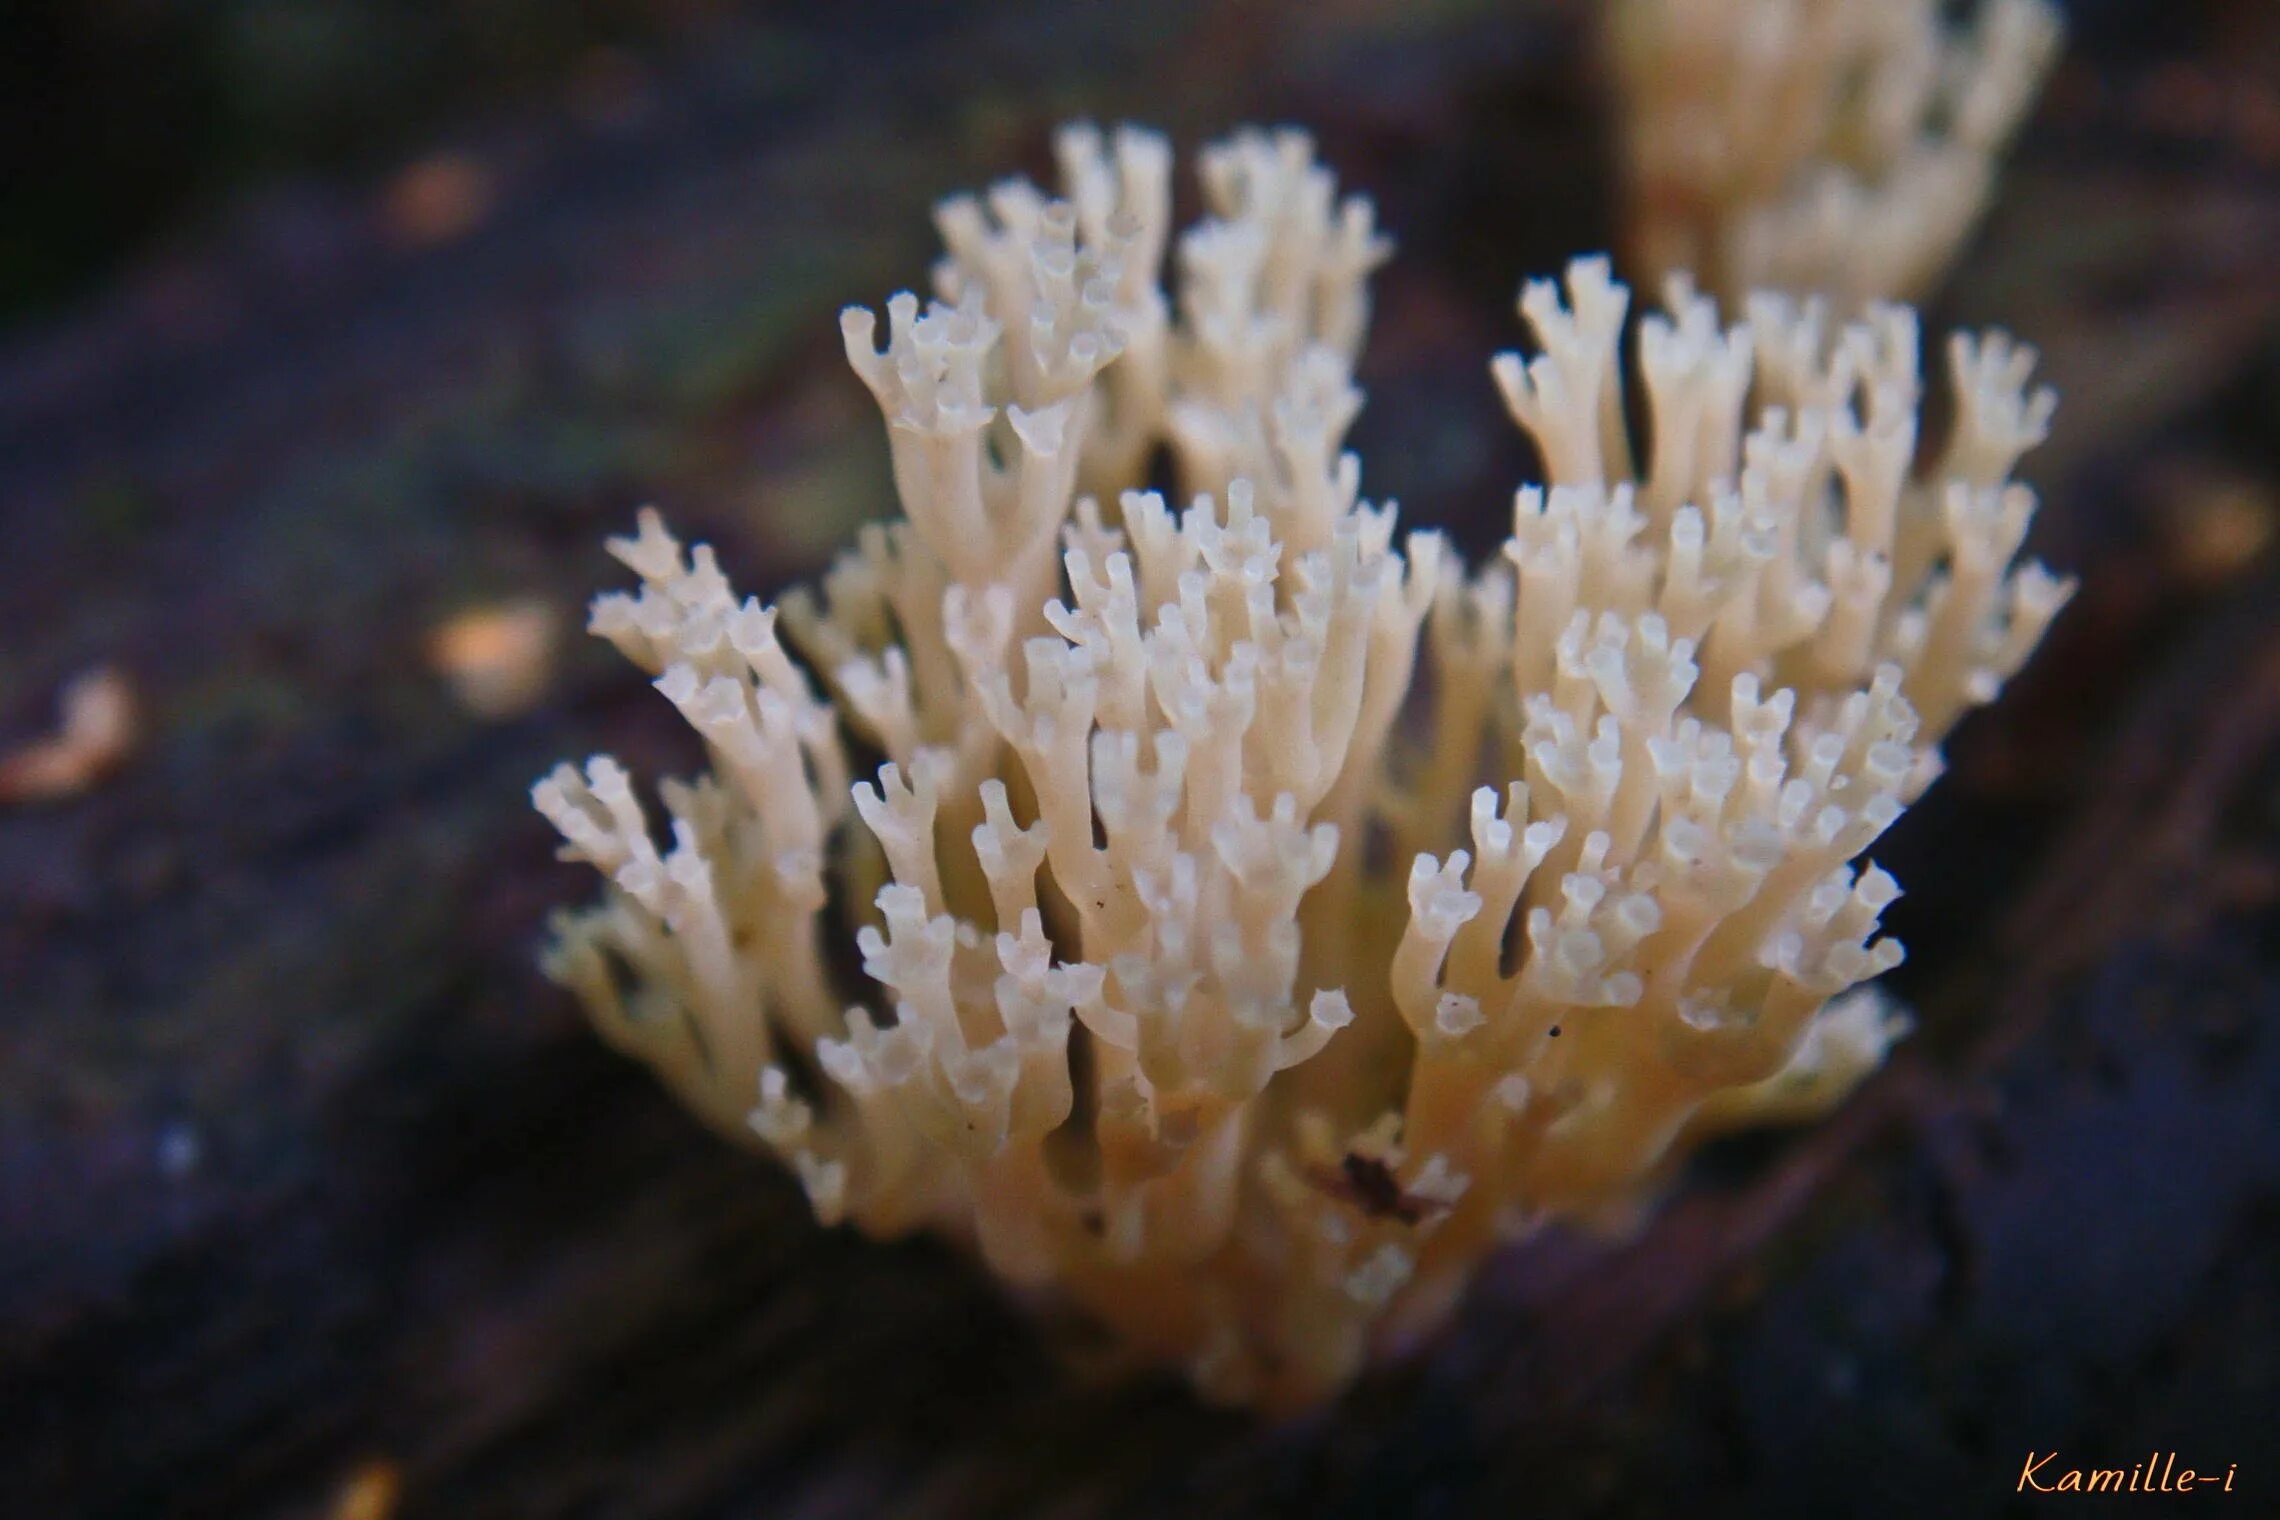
(1265, 915)
(1839, 146)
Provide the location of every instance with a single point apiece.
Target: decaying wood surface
(315, 1200)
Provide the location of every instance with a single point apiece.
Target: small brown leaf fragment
(98, 726)
(497, 659)
(438, 199)
(371, 1492)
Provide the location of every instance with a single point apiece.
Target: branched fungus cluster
(1264, 915)
(1844, 147)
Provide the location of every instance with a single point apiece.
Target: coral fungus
(1818, 145)
(1266, 914)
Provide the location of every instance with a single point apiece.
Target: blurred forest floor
(313, 1194)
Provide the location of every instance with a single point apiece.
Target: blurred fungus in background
(1820, 147)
